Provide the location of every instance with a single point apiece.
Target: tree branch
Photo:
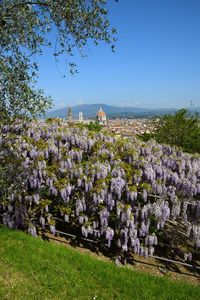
(20, 4)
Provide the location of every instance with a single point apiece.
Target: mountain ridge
(90, 111)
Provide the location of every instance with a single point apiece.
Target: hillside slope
(33, 269)
(90, 110)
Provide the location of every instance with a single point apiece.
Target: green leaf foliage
(25, 27)
(94, 126)
(181, 129)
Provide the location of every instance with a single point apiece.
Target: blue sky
(156, 64)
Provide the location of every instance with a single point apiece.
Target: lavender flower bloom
(110, 201)
(137, 246)
(52, 229)
(143, 229)
(10, 208)
(69, 189)
(79, 207)
(146, 252)
(36, 198)
(188, 229)
(176, 209)
(133, 195)
(109, 235)
(104, 215)
(118, 172)
(49, 182)
(144, 195)
(46, 154)
(159, 171)
(198, 187)
(130, 224)
(97, 233)
(54, 191)
(81, 219)
(132, 239)
(32, 230)
(117, 184)
(124, 218)
(11, 197)
(189, 258)
(95, 224)
(28, 199)
(42, 164)
(184, 211)
(90, 185)
(95, 199)
(33, 154)
(79, 182)
(124, 247)
(63, 194)
(158, 226)
(151, 251)
(197, 211)
(42, 221)
(196, 235)
(119, 208)
(84, 231)
(124, 239)
(149, 174)
(90, 230)
(144, 212)
(86, 187)
(66, 218)
(149, 240)
(141, 251)
(90, 143)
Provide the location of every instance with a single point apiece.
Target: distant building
(69, 114)
(101, 117)
(80, 117)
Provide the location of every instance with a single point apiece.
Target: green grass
(33, 269)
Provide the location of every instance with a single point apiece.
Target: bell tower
(69, 114)
(80, 117)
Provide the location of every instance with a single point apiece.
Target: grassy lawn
(33, 269)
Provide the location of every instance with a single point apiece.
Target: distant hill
(90, 110)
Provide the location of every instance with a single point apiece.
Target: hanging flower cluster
(121, 192)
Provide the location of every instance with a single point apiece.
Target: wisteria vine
(120, 191)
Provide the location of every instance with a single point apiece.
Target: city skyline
(156, 64)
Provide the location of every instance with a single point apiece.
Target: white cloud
(80, 102)
(61, 104)
(129, 103)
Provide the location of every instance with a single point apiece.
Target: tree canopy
(94, 126)
(181, 129)
(25, 28)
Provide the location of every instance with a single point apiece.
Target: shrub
(181, 129)
(121, 192)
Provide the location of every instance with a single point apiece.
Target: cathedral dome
(101, 113)
(101, 117)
